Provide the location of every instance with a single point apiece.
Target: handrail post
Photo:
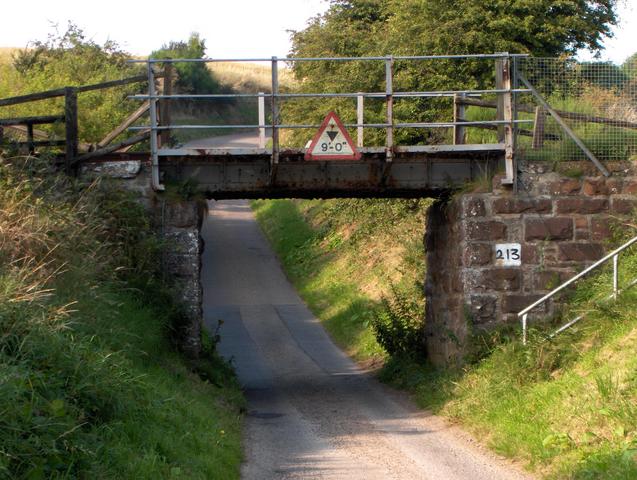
(389, 98)
(524, 328)
(615, 275)
(275, 120)
(261, 119)
(360, 119)
(154, 147)
(71, 126)
(164, 104)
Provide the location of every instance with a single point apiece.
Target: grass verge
(90, 385)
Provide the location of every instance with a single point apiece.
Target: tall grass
(90, 386)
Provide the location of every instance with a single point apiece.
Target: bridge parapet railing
(580, 110)
(499, 85)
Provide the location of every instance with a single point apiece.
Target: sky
(232, 28)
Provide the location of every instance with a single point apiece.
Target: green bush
(399, 324)
(70, 59)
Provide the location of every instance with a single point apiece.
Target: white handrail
(614, 255)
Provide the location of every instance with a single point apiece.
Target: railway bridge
(519, 218)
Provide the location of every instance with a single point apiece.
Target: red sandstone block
(581, 222)
(486, 231)
(474, 207)
(630, 186)
(623, 206)
(567, 186)
(582, 205)
(614, 185)
(477, 254)
(600, 228)
(529, 254)
(515, 303)
(522, 205)
(580, 252)
(595, 186)
(558, 228)
(582, 234)
(483, 308)
(501, 279)
(549, 279)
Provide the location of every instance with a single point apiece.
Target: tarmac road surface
(313, 413)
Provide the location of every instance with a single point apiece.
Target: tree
(71, 59)
(192, 77)
(423, 27)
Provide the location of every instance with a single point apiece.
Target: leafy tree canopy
(72, 59)
(539, 27)
(192, 77)
(422, 27)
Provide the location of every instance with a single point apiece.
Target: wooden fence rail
(70, 120)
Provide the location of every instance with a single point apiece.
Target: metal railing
(503, 89)
(614, 256)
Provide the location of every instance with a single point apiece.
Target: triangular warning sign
(332, 142)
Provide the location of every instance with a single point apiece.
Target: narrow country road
(313, 414)
(234, 140)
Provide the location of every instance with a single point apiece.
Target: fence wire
(597, 100)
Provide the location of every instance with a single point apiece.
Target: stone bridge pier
(178, 223)
(561, 217)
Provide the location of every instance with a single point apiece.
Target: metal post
(164, 104)
(458, 116)
(261, 120)
(360, 119)
(615, 276)
(509, 139)
(499, 85)
(524, 318)
(389, 95)
(275, 120)
(153, 131)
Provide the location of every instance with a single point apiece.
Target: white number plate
(508, 254)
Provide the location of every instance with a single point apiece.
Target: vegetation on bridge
(90, 385)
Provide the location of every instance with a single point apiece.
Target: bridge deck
(248, 173)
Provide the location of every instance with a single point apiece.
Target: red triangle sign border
(332, 116)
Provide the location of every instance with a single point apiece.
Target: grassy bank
(565, 408)
(91, 386)
(343, 256)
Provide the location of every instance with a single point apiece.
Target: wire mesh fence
(596, 100)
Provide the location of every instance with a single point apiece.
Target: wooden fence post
(538, 128)
(459, 111)
(30, 145)
(71, 123)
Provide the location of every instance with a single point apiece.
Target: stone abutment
(492, 253)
